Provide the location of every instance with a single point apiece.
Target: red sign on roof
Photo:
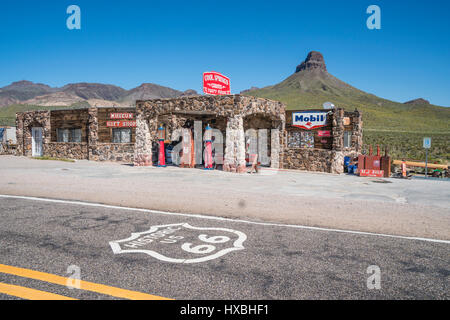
(215, 83)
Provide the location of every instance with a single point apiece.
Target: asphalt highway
(45, 245)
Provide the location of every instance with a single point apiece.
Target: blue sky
(255, 43)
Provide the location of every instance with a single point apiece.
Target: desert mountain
(311, 85)
(150, 91)
(22, 90)
(60, 98)
(94, 94)
(94, 91)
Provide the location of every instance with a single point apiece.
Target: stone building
(242, 125)
(76, 134)
(324, 148)
(232, 115)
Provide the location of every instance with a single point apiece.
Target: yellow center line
(84, 285)
(30, 294)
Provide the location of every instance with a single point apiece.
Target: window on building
(62, 135)
(121, 135)
(75, 135)
(68, 135)
(347, 139)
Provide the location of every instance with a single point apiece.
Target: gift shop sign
(215, 83)
(309, 119)
(121, 124)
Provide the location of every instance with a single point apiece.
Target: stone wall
(70, 150)
(308, 159)
(123, 152)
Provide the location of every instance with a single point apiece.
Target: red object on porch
(208, 156)
(162, 156)
(374, 166)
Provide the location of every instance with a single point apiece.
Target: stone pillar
(263, 157)
(143, 144)
(235, 145)
(357, 134)
(337, 162)
(92, 134)
(275, 149)
(19, 134)
(338, 129)
(337, 156)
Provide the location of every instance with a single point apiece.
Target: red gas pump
(208, 148)
(161, 138)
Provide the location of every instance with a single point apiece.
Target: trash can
(346, 163)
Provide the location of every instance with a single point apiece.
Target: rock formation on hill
(314, 60)
(419, 101)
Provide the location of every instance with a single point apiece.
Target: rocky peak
(418, 101)
(189, 93)
(248, 90)
(27, 85)
(22, 83)
(314, 60)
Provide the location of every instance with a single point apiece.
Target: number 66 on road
(204, 248)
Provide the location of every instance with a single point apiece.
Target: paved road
(268, 261)
(393, 206)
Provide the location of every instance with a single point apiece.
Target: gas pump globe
(161, 138)
(161, 133)
(208, 133)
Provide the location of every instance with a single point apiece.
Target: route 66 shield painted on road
(181, 243)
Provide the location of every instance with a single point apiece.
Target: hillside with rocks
(311, 85)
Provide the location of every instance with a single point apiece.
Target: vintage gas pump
(161, 138)
(208, 148)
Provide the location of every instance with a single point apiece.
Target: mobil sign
(215, 83)
(309, 119)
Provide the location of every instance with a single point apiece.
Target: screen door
(36, 144)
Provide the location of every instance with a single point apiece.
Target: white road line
(91, 204)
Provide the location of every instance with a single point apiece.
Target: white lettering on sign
(309, 119)
(120, 124)
(181, 243)
(124, 115)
